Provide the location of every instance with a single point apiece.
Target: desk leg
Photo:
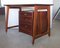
(19, 18)
(48, 21)
(6, 17)
(34, 24)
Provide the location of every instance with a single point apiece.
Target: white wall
(0, 3)
(13, 15)
(56, 6)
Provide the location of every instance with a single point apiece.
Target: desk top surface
(26, 4)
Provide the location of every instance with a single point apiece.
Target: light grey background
(56, 6)
(0, 2)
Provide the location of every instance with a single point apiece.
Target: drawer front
(26, 28)
(26, 14)
(26, 19)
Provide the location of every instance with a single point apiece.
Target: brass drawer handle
(25, 14)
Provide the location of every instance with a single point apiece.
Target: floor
(15, 39)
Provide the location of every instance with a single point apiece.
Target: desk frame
(36, 6)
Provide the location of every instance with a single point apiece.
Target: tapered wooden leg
(33, 40)
(19, 18)
(6, 17)
(48, 14)
(49, 33)
(34, 23)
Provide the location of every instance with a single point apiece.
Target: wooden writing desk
(36, 7)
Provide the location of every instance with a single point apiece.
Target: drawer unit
(26, 22)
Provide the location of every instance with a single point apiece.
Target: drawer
(26, 20)
(26, 14)
(26, 26)
(26, 29)
(26, 23)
